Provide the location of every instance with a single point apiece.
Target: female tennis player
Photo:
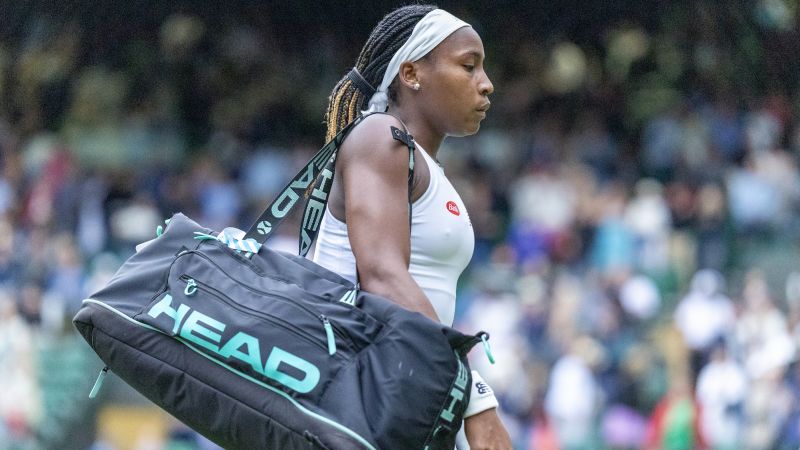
(423, 67)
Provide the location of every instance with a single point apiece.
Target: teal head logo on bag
(206, 332)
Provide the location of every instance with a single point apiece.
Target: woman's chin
(467, 129)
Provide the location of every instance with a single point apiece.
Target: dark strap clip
(403, 137)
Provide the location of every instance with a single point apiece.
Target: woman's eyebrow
(475, 53)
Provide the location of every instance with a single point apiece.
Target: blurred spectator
(542, 208)
(573, 397)
(713, 242)
(754, 201)
(661, 145)
(591, 143)
(648, 217)
(66, 280)
(762, 130)
(721, 388)
(767, 350)
(613, 252)
(134, 221)
(762, 333)
(496, 309)
(704, 315)
(675, 422)
(219, 196)
(725, 129)
(20, 404)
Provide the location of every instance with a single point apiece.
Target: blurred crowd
(635, 199)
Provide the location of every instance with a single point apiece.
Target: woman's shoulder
(373, 135)
(375, 120)
(371, 146)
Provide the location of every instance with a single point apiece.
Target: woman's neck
(424, 134)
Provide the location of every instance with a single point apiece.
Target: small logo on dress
(453, 208)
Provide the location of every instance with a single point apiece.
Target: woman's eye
(469, 67)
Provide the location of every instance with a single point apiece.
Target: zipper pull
(191, 287)
(486, 348)
(98, 383)
(160, 228)
(329, 334)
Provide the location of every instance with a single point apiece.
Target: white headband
(429, 32)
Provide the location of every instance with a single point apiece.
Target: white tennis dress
(442, 242)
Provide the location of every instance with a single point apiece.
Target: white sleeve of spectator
(481, 397)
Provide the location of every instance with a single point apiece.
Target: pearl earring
(416, 85)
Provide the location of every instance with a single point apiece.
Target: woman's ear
(409, 75)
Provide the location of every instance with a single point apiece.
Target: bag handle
(314, 182)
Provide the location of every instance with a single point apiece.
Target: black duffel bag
(255, 348)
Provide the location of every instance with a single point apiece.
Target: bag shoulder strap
(313, 183)
(316, 203)
(298, 187)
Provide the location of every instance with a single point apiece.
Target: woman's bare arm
(374, 170)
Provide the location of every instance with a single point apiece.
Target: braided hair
(346, 100)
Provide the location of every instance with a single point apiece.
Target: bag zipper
(331, 347)
(282, 297)
(328, 334)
